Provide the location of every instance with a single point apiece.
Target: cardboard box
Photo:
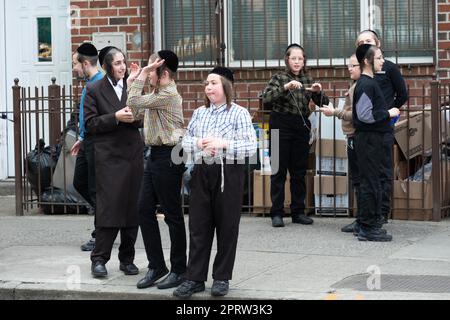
(415, 203)
(261, 192)
(328, 153)
(418, 134)
(413, 200)
(326, 166)
(331, 148)
(331, 195)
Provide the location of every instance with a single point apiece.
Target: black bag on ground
(40, 164)
(56, 195)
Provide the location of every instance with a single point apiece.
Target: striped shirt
(162, 112)
(234, 125)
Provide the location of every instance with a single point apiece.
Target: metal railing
(423, 134)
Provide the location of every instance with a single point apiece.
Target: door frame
(4, 93)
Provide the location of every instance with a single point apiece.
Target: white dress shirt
(117, 88)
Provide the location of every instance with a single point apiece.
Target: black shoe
(151, 277)
(302, 219)
(220, 288)
(277, 222)
(88, 246)
(358, 227)
(129, 269)
(349, 227)
(171, 281)
(98, 269)
(188, 288)
(380, 222)
(379, 235)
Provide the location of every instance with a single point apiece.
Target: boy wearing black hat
(371, 120)
(85, 66)
(289, 98)
(395, 93)
(219, 137)
(163, 126)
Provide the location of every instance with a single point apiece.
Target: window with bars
(254, 33)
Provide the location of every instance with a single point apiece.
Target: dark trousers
(162, 184)
(353, 166)
(386, 175)
(293, 156)
(84, 175)
(211, 210)
(369, 148)
(105, 240)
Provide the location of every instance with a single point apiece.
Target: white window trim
(294, 35)
(157, 25)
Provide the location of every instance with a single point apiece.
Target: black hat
(102, 53)
(361, 51)
(224, 72)
(293, 45)
(170, 59)
(87, 49)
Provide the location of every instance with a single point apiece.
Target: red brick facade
(132, 15)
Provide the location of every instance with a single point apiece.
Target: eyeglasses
(296, 59)
(351, 66)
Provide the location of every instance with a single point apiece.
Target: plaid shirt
(283, 101)
(162, 112)
(234, 125)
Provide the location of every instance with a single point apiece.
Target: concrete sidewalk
(40, 258)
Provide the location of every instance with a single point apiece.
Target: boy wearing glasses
(346, 116)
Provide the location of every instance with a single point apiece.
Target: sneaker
(378, 235)
(277, 222)
(302, 219)
(188, 288)
(357, 227)
(350, 227)
(88, 246)
(220, 288)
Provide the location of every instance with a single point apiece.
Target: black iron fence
(421, 157)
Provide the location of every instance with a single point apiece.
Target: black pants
(105, 240)
(369, 148)
(84, 175)
(386, 175)
(162, 184)
(353, 166)
(211, 210)
(293, 156)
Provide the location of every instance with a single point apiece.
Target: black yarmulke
(293, 45)
(103, 53)
(87, 49)
(224, 72)
(170, 59)
(361, 51)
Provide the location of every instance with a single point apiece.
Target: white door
(38, 47)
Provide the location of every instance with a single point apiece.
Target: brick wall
(443, 30)
(131, 16)
(128, 16)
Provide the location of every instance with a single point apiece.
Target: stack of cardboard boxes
(331, 171)
(413, 199)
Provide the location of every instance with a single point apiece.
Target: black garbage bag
(40, 164)
(66, 202)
